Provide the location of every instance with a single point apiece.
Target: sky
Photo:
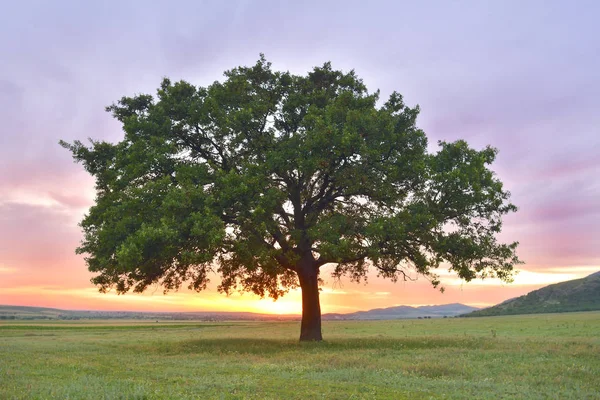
(520, 76)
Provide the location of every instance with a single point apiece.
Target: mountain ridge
(570, 296)
(402, 312)
(395, 312)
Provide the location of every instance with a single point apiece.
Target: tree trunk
(310, 329)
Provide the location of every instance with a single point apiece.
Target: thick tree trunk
(310, 329)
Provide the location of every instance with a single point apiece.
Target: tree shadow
(250, 346)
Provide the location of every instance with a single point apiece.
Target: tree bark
(310, 329)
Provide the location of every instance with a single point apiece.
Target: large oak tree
(268, 176)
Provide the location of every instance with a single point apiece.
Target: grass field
(551, 356)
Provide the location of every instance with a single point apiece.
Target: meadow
(549, 356)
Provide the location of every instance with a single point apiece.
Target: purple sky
(523, 76)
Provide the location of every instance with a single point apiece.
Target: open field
(534, 356)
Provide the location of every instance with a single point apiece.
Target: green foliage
(269, 175)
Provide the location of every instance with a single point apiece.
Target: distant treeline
(31, 313)
(25, 317)
(533, 309)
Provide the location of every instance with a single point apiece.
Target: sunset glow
(531, 91)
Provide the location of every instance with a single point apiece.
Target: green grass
(550, 356)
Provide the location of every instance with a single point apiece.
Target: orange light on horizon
(346, 298)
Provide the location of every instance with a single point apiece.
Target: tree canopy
(267, 176)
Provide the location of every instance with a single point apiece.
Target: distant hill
(403, 312)
(31, 313)
(576, 295)
(23, 312)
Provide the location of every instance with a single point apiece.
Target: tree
(268, 176)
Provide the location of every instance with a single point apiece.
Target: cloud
(523, 278)
(38, 244)
(6, 270)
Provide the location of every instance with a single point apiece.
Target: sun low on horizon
(536, 102)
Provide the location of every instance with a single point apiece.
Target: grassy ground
(536, 356)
